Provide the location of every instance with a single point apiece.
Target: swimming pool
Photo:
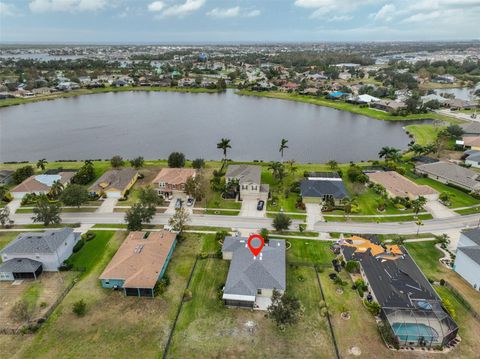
(413, 332)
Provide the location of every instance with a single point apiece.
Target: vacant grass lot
(114, 326)
(424, 134)
(210, 330)
(315, 252)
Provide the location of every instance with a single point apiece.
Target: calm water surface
(153, 124)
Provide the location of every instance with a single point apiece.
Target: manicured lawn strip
(464, 212)
(423, 134)
(341, 105)
(64, 210)
(115, 326)
(292, 216)
(305, 251)
(93, 250)
(110, 225)
(41, 226)
(222, 213)
(295, 233)
(406, 218)
(215, 200)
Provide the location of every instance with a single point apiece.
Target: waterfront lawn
(115, 326)
(246, 333)
(424, 134)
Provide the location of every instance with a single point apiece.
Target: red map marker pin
(255, 238)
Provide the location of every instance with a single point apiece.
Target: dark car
(260, 205)
(178, 203)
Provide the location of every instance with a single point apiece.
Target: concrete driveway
(249, 206)
(438, 210)
(314, 214)
(13, 205)
(171, 207)
(107, 205)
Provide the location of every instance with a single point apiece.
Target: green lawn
(424, 134)
(7, 237)
(92, 251)
(426, 256)
(222, 213)
(215, 200)
(315, 252)
(406, 218)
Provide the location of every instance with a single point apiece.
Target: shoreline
(74, 93)
(343, 106)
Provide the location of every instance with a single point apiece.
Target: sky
(236, 21)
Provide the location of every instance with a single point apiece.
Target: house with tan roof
(40, 184)
(397, 185)
(114, 183)
(140, 262)
(172, 180)
(450, 173)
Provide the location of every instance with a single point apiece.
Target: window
(259, 291)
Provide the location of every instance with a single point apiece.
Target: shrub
(442, 282)
(198, 163)
(20, 311)
(352, 267)
(66, 266)
(373, 307)
(78, 245)
(176, 160)
(324, 311)
(88, 236)
(187, 295)
(79, 308)
(162, 285)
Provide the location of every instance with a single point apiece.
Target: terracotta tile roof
(42, 183)
(400, 186)
(174, 176)
(362, 245)
(140, 260)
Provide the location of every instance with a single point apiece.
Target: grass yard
(246, 333)
(315, 252)
(406, 218)
(114, 326)
(87, 258)
(424, 134)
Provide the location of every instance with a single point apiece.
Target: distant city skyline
(236, 21)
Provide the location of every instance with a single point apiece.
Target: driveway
(438, 210)
(314, 214)
(13, 205)
(171, 207)
(249, 205)
(107, 205)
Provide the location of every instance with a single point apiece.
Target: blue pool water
(413, 331)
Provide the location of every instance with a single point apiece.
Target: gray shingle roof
(319, 188)
(247, 274)
(244, 173)
(473, 252)
(20, 265)
(35, 242)
(452, 173)
(114, 179)
(473, 235)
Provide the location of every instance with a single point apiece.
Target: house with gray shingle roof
(450, 173)
(321, 187)
(251, 280)
(467, 259)
(49, 248)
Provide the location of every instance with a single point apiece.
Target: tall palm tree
(56, 189)
(283, 146)
(278, 170)
(224, 145)
(41, 164)
(418, 204)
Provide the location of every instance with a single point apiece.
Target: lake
(153, 124)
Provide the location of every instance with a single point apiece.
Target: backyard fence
(464, 302)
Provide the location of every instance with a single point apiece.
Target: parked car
(189, 201)
(260, 205)
(178, 203)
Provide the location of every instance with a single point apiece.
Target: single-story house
(409, 305)
(363, 99)
(473, 159)
(471, 128)
(467, 260)
(40, 184)
(140, 262)
(114, 183)
(172, 180)
(249, 180)
(251, 280)
(397, 185)
(458, 104)
(433, 97)
(6, 177)
(388, 106)
(31, 253)
(450, 173)
(322, 187)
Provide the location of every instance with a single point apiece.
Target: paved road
(434, 225)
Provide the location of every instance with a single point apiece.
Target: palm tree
(418, 204)
(348, 204)
(278, 170)
(416, 148)
(224, 145)
(390, 154)
(293, 169)
(283, 146)
(89, 163)
(56, 189)
(41, 164)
